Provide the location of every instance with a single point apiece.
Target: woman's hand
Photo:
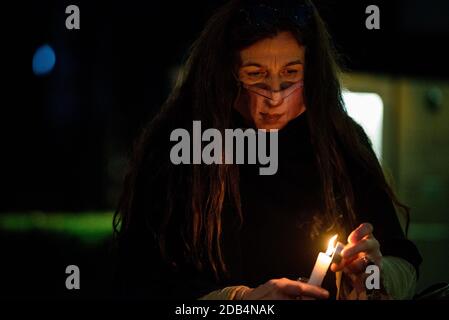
(285, 289)
(362, 248)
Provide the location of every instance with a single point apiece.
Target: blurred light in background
(43, 60)
(367, 109)
(90, 227)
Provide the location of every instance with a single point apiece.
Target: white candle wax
(319, 270)
(322, 263)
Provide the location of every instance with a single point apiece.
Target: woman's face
(271, 73)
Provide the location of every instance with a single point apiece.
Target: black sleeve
(373, 205)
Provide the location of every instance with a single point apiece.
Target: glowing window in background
(367, 109)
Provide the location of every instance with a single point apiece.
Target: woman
(222, 231)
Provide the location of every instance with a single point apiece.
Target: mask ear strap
(293, 88)
(239, 89)
(261, 92)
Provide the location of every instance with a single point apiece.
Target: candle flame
(331, 245)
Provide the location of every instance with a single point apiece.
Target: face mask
(275, 97)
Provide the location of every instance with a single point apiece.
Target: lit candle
(323, 262)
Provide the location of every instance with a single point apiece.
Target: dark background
(65, 136)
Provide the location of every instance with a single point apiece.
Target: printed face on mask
(271, 75)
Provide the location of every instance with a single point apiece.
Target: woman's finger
(280, 295)
(360, 232)
(295, 288)
(357, 266)
(343, 263)
(366, 245)
(289, 287)
(309, 290)
(340, 266)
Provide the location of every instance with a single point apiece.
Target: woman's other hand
(285, 289)
(361, 250)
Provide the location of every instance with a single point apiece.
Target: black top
(278, 237)
(281, 234)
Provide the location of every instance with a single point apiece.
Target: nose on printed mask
(275, 97)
